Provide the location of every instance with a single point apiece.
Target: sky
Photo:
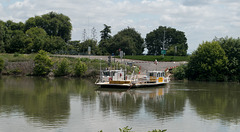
(201, 20)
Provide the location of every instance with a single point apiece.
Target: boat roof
(154, 71)
(112, 70)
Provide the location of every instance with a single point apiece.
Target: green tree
(105, 33)
(231, 47)
(37, 37)
(80, 68)
(2, 34)
(208, 62)
(105, 42)
(63, 68)
(180, 72)
(53, 23)
(15, 26)
(54, 44)
(177, 50)
(42, 63)
(154, 40)
(76, 46)
(18, 42)
(89, 43)
(129, 41)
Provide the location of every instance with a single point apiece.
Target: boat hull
(137, 85)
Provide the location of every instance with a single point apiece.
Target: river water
(31, 104)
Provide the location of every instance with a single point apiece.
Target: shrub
(208, 62)
(62, 68)
(180, 72)
(42, 63)
(15, 71)
(80, 68)
(1, 64)
(125, 129)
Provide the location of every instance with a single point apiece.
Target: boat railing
(97, 81)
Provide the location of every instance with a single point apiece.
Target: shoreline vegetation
(217, 60)
(44, 64)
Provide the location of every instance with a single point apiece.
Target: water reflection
(156, 101)
(43, 101)
(37, 98)
(121, 102)
(74, 102)
(216, 100)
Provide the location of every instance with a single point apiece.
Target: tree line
(218, 60)
(51, 32)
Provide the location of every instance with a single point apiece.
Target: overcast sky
(201, 20)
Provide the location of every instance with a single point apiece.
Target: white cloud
(200, 20)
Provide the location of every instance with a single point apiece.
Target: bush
(208, 62)
(42, 63)
(80, 68)
(62, 68)
(1, 64)
(180, 72)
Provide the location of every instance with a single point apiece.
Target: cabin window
(106, 73)
(150, 74)
(158, 75)
(162, 74)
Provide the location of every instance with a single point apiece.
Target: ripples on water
(60, 104)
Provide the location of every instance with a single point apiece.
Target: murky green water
(73, 105)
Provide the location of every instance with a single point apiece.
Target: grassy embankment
(158, 58)
(23, 64)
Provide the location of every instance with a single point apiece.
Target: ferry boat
(118, 79)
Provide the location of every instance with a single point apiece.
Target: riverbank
(23, 64)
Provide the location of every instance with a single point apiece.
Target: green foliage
(53, 44)
(53, 23)
(63, 68)
(105, 42)
(177, 50)
(2, 34)
(1, 64)
(180, 72)
(125, 129)
(42, 63)
(37, 38)
(129, 41)
(48, 32)
(15, 71)
(231, 47)
(154, 41)
(18, 42)
(84, 46)
(80, 68)
(105, 33)
(17, 57)
(208, 62)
